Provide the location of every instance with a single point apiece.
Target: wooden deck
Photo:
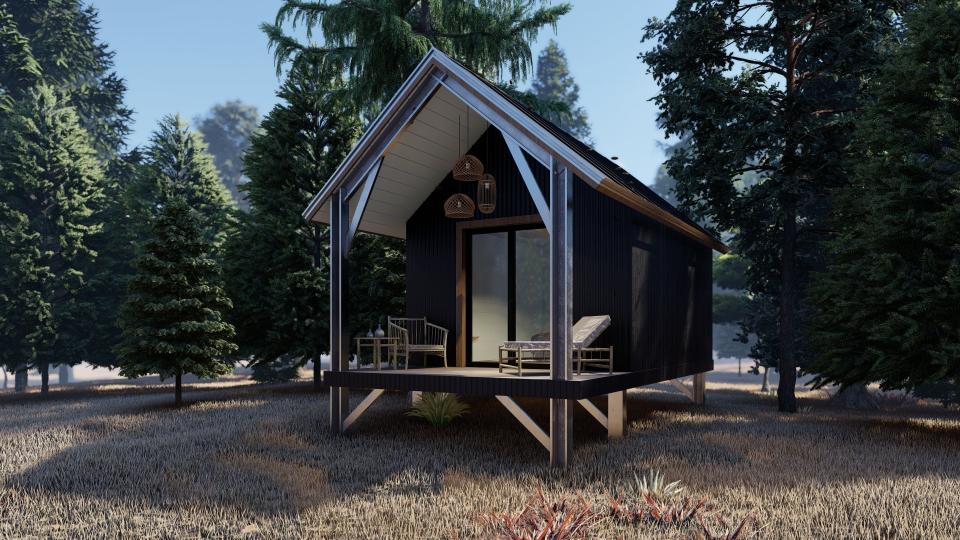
(483, 381)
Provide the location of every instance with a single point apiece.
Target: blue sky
(184, 56)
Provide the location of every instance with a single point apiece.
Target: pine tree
(227, 129)
(63, 40)
(888, 304)
(56, 41)
(106, 289)
(176, 164)
(379, 42)
(50, 179)
(19, 70)
(553, 83)
(275, 262)
(766, 88)
(173, 318)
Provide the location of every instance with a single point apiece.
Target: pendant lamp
(487, 194)
(459, 206)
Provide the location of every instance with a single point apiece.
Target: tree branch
(772, 68)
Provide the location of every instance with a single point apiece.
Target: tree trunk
(178, 392)
(20, 379)
(425, 17)
(44, 378)
(765, 387)
(786, 390)
(4, 378)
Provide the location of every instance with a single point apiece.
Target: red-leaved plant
(540, 519)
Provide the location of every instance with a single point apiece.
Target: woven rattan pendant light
(459, 206)
(487, 194)
(467, 168)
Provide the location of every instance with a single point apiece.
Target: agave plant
(653, 484)
(438, 408)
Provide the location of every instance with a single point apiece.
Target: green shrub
(282, 369)
(438, 408)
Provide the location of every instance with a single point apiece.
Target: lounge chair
(417, 335)
(537, 351)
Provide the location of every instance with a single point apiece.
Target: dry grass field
(252, 461)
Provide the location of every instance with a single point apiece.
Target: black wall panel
(654, 283)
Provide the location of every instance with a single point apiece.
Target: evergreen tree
(173, 318)
(227, 129)
(889, 304)
(553, 83)
(19, 70)
(63, 40)
(106, 289)
(766, 87)
(50, 180)
(176, 164)
(379, 42)
(275, 261)
(56, 41)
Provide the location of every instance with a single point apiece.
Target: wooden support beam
(361, 408)
(700, 388)
(561, 432)
(678, 384)
(339, 347)
(527, 422)
(561, 308)
(696, 391)
(615, 419)
(529, 180)
(616, 414)
(594, 411)
(368, 183)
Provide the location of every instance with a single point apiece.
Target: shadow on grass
(269, 452)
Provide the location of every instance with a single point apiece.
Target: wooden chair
(417, 335)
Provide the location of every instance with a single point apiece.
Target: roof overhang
(438, 77)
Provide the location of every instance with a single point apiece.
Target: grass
(257, 462)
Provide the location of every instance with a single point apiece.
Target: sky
(184, 56)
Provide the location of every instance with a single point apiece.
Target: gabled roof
(437, 74)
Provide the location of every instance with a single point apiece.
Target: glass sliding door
(489, 294)
(509, 290)
(532, 285)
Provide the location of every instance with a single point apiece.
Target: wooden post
(700, 388)
(616, 414)
(339, 348)
(561, 308)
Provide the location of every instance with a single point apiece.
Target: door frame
(529, 221)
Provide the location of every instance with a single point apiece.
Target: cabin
(536, 267)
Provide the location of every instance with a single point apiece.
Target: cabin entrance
(508, 291)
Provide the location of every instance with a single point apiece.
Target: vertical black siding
(674, 336)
